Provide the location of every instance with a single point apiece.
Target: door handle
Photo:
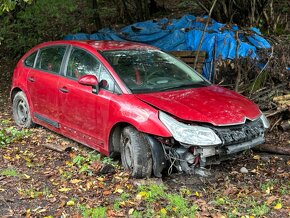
(31, 79)
(64, 90)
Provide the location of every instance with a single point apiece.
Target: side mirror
(103, 84)
(88, 80)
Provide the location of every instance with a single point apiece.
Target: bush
(42, 21)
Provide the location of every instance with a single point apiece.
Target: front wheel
(21, 111)
(136, 153)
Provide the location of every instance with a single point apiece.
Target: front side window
(81, 63)
(50, 58)
(105, 76)
(145, 71)
(29, 61)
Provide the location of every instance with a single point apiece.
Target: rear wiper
(191, 85)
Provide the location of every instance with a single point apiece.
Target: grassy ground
(38, 182)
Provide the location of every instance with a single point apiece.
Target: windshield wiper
(190, 85)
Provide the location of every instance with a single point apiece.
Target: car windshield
(145, 71)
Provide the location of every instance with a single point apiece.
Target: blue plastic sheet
(185, 34)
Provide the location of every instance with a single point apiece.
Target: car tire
(21, 111)
(136, 153)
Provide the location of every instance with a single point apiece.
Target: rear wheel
(21, 111)
(135, 153)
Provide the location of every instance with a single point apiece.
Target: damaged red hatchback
(134, 100)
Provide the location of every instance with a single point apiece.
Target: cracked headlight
(265, 121)
(187, 134)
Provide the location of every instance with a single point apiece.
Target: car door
(42, 84)
(81, 110)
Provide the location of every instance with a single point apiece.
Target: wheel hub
(22, 111)
(128, 153)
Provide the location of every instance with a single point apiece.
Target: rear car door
(43, 84)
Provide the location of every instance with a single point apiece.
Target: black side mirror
(103, 84)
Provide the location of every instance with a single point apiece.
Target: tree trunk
(142, 10)
(97, 19)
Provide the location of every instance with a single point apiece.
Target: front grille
(240, 133)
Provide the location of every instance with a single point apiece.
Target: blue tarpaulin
(185, 34)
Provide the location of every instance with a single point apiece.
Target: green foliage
(43, 21)
(259, 210)
(254, 208)
(267, 186)
(180, 204)
(33, 192)
(176, 204)
(153, 192)
(8, 5)
(84, 162)
(11, 134)
(123, 197)
(97, 212)
(9, 172)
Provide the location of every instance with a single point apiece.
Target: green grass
(180, 206)
(97, 212)
(254, 208)
(83, 162)
(259, 210)
(268, 186)
(123, 197)
(33, 192)
(174, 204)
(9, 172)
(11, 134)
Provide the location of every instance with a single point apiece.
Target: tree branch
(202, 36)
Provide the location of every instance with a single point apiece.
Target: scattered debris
(282, 101)
(244, 170)
(285, 125)
(58, 147)
(151, 181)
(270, 148)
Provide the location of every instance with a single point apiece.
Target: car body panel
(43, 92)
(211, 104)
(78, 118)
(127, 108)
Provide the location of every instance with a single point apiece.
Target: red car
(134, 100)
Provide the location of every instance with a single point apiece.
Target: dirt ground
(38, 182)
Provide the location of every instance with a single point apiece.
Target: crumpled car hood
(211, 104)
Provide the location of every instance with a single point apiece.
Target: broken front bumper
(213, 155)
(188, 158)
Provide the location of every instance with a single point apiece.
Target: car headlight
(187, 134)
(265, 121)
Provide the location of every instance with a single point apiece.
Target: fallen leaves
(278, 206)
(271, 199)
(163, 211)
(55, 184)
(141, 195)
(64, 189)
(75, 181)
(70, 203)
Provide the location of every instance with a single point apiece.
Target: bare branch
(203, 32)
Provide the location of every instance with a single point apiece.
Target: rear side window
(50, 58)
(81, 63)
(29, 61)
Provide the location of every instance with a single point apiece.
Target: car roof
(103, 45)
